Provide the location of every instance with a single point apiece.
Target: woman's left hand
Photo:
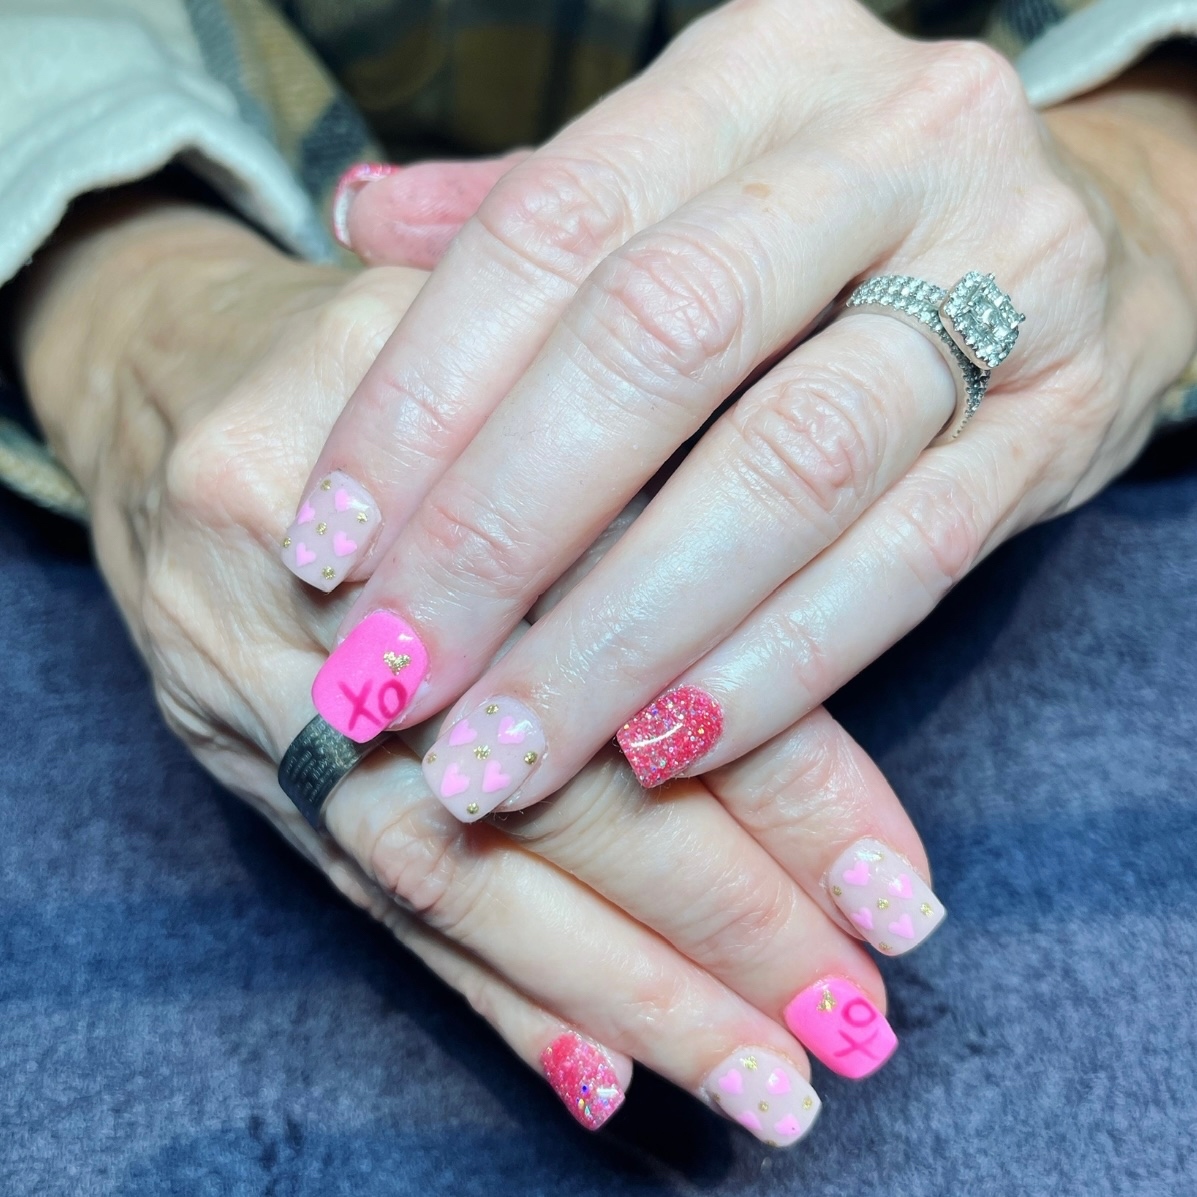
(620, 283)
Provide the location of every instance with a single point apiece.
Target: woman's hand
(184, 370)
(663, 251)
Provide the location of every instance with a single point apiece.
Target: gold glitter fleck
(807, 1102)
(482, 752)
(361, 517)
(321, 528)
(286, 542)
(326, 484)
(827, 1002)
(530, 758)
(472, 809)
(329, 572)
(926, 909)
(763, 1106)
(882, 903)
(431, 758)
(749, 1062)
(492, 708)
(396, 662)
(835, 889)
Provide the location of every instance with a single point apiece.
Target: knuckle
(810, 445)
(938, 523)
(558, 216)
(664, 308)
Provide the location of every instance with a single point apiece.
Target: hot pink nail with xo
(883, 897)
(838, 1023)
(765, 1093)
(333, 528)
(484, 758)
(371, 677)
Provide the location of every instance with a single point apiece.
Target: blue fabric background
(187, 1009)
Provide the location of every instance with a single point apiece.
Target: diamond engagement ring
(974, 327)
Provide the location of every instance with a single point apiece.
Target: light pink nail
(484, 758)
(884, 897)
(371, 676)
(838, 1023)
(582, 1076)
(348, 185)
(333, 528)
(765, 1093)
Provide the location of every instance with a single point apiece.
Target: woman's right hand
(186, 372)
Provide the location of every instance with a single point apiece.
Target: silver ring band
(316, 762)
(974, 327)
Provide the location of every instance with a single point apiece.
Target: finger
(515, 267)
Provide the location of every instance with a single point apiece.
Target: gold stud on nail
(472, 809)
(329, 572)
(326, 484)
(530, 758)
(492, 708)
(482, 752)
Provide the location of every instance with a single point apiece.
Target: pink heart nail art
(304, 555)
(494, 778)
(778, 1083)
(788, 1126)
(901, 886)
(858, 874)
(454, 782)
(306, 514)
(863, 918)
(903, 927)
(508, 732)
(343, 546)
(749, 1119)
(731, 1082)
(462, 733)
(342, 500)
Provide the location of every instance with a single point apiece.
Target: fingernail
(371, 676)
(582, 1076)
(764, 1093)
(670, 734)
(839, 1025)
(331, 532)
(883, 897)
(348, 185)
(484, 758)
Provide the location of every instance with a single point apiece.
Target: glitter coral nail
(582, 1076)
(670, 734)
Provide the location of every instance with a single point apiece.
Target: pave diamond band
(974, 326)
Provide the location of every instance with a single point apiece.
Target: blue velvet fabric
(188, 1009)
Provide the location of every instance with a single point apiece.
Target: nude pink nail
(839, 1025)
(332, 530)
(348, 185)
(582, 1076)
(765, 1093)
(371, 676)
(883, 897)
(483, 759)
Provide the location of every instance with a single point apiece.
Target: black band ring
(315, 763)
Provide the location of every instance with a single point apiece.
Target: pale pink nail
(333, 528)
(882, 895)
(582, 1076)
(765, 1093)
(371, 676)
(348, 185)
(838, 1023)
(484, 758)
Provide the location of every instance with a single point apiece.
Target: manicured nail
(484, 758)
(883, 897)
(840, 1026)
(582, 1076)
(348, 185)
(332, 531)
(371, 676)
(670, 734)
(765, 1093)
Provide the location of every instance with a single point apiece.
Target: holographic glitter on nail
(670, 734)
(582, 1076)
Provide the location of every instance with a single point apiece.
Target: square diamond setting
(982, 319)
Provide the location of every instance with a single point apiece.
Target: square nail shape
(838, 1024)
(883, 897)
(371, 676)
(582, 1076)
(331, 532)
(670, 734)
(484, 758)
(765, 1093)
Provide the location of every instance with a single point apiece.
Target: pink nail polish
(670, 734)
(883, 897)
(348, 185)
(484, 758)
(331, 532)
(371, 676)
(765, 1093)
(582, 1076)
(840, 1026)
